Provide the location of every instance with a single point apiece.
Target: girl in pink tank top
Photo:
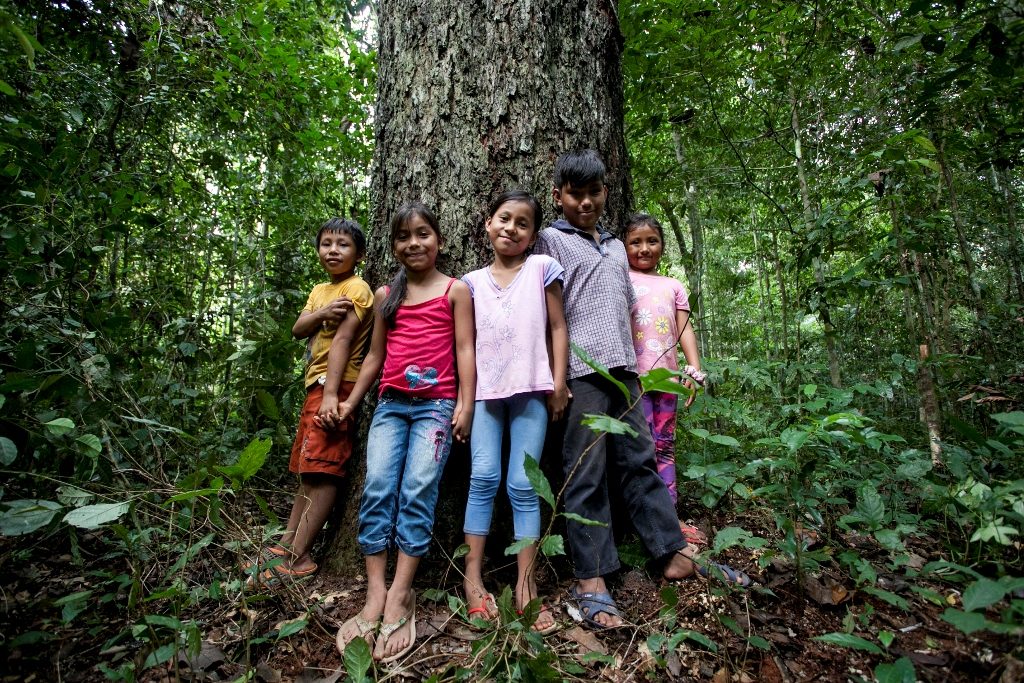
(422, 350)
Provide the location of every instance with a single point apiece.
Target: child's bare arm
(372, 363)
(465, 359)
(311, 321)
(688, 344)
(558, 350)
(337, 359)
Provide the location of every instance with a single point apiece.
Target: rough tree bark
(474, 98)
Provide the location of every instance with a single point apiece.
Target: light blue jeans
(527, 418)
(406, 449)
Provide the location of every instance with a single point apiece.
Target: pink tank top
(420, 358)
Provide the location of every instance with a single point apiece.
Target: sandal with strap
(485, 614)
(592, 604)
(366, 628)
(388, 630)
(692, 534)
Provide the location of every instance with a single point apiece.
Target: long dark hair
(518, 196)
(399, 284)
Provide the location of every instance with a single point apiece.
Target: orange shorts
(316, 450)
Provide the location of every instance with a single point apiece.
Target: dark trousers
(631, 461)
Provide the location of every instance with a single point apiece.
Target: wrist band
(696, 375)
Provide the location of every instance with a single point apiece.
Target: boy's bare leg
(312, 505)
(376, 595)
(526, 586)
(597, 585)
(473, 585)
(680, 565)
(398, 605)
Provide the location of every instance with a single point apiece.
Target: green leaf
(888, 539)
(461, 551)
(520, 545)
(695, 636)
(73, 496)
(160, 655)
(724, 440)
(90, 443)
(250, 461)
(728, 537)
(889, 597)
(967, 622)
(870, 506)
(94, 516)
(267, 404)
(851, 641)
(607, 425)
(6, 89)
(794, 437)
(25, 516)
(552, 545)
(600, 369)
(160, 620)
(538, 481)
(291, 627)
(907, 41)
(759, 642)
(665, 381)
(8, 451)
(900, 671)
(357, 660)
(59, 426)
(582, 520)
(982, 593)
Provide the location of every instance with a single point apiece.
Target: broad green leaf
(605, 424)
(759, 642)
(6, 89)
(161, 620)
(600, 369)
(851, 641)
(552, 545)
(358, 660)
(870, 506)
(967, 622)
(794, 437)
(520, 545)
(728, 537)
(291, 627)
(250, 461)
(982, 593)
(59, 426)
(695, 636)
(724, 440)
(8, 451)
(94, 516)
(73, 496)
(25, 516)
(461, 551)
(90, 443)
(900, 671)
(888, 539)
(665, 381)
(888, 596)
(538, 481)
(160, 655)
(267, 404)
(907, 41)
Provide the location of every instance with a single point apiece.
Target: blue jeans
(406, 450)
(527, 417)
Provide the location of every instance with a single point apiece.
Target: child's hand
(327, 417)
(336, 310)
(557, 401)
(693, 392)
(462, 423)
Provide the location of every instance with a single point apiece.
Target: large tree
(475, 98)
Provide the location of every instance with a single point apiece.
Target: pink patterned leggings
(660, 411)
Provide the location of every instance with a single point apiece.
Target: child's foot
(398, 632)
(302, 564)
(527, 591)
(680, 564)
(369, 615)
(596, 604)
(479, 603)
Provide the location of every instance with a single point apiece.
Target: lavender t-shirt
(511, 329)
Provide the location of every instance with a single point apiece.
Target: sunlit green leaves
(25, 516)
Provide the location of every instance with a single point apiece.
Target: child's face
(338, 253)
(582, 205)
(415, 245)
(511, 229)
(643, 249)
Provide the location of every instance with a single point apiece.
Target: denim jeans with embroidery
(406, 450)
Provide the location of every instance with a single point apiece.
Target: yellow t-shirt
(319, 344)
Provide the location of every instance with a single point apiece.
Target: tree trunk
(474, 98)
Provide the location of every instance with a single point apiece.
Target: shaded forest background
(841, 183)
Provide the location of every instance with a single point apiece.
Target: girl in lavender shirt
(520, 383)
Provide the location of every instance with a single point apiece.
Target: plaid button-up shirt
(598, 295)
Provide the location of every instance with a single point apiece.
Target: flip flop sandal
(275, 576)
(724, 573)
(547, 630)
(387, 630)
(692, 535)
(366, 628)
(266, 556)
(483, 611)
(592, 604)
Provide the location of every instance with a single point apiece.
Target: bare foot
(364, 623)
(597, 585)
(681, 565)
(398, 629)
(527, 591)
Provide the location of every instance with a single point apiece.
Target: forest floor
(778, 619)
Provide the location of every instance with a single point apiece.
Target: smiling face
(338, 254)
(643, 249)
(415, 244)
(511, 229)
(582, 205)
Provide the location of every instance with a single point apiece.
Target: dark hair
(346, 226)
(518, 196)
(579, 168)
(639, 220)
(399, 284)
